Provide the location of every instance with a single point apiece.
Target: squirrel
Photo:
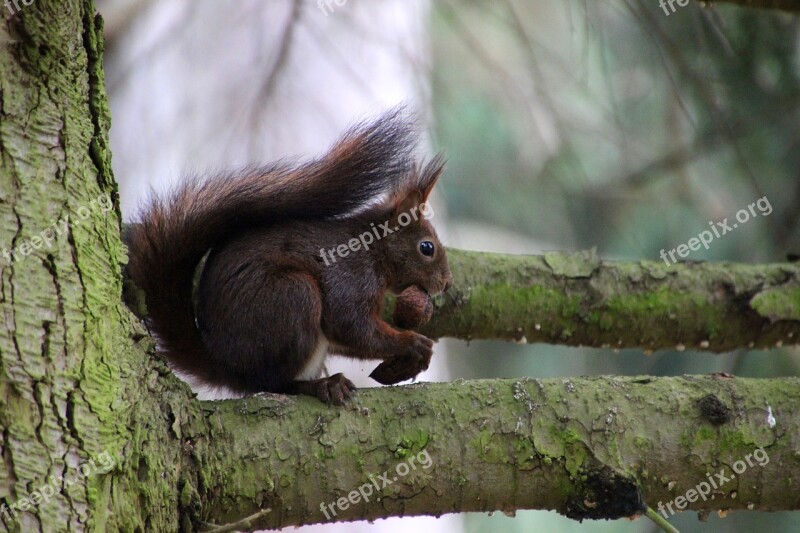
(289, 275)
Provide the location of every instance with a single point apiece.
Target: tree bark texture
(585, 447)
(580, 300)
(72, 360)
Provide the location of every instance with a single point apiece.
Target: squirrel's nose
(448, 283)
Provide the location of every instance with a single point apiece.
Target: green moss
(575, 265)
(575, 458)
(186, 494)
(412, 444)
(525, 454)
(705, 433)
(489, 447)
(569, 436)
(606, 321)
(778, 304)
(734, 439)
(647, 312)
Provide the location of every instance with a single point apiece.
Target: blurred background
(568, 125)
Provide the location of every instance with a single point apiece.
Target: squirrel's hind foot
(335, 389)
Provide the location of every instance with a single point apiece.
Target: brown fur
(266, 298)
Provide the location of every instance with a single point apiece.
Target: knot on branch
(714, 410)
(602, 493)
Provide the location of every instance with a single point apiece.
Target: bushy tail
(175, 231)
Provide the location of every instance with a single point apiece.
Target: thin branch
(792, 6)
(247, 523)
(580, 300)
(659, 521)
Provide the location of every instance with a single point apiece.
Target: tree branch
(579, 300)
(783, 5)
(588, 448)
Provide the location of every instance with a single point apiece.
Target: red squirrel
(278, 291)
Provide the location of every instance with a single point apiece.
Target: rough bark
(585, 447)
(72, 360)
(58, 303)
(79, 379)
(579, 300)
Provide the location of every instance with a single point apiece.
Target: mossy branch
(580, 300)
(782, 5)
(600, 447)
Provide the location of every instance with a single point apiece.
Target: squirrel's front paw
(406, 365)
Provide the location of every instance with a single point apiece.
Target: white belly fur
(316, 362)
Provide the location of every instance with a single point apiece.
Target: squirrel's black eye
(426, 248)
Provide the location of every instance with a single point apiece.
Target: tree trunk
(97, 434)
(72, 361)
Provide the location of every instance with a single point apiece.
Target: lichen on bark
(580, 300)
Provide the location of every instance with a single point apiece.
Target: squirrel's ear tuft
(419, 187)
(429, 174)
